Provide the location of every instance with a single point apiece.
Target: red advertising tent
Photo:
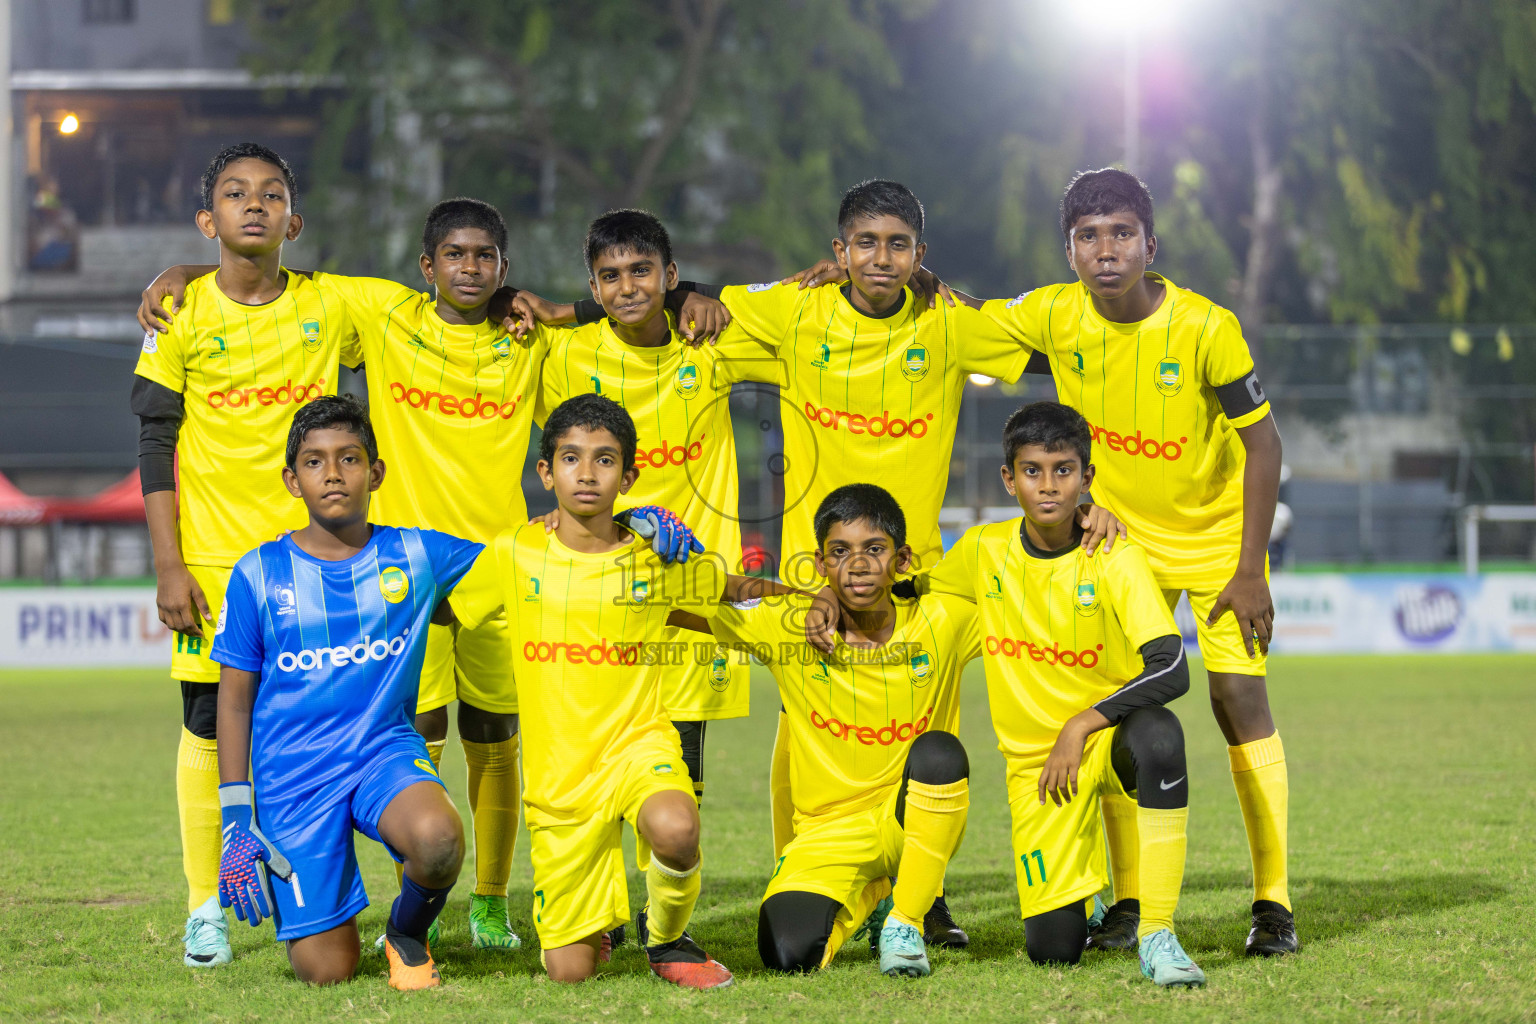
(18, 509)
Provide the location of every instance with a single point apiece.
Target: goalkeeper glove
(669, 536)
(246, 857)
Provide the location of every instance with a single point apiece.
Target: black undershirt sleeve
(1241, 396)
(588, 311)
(160, 412)
(1039, 362)
(1164, 677)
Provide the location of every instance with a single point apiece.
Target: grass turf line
(1413, 803)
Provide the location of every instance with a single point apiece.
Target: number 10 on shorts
(1029, 875)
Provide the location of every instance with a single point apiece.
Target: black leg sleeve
(1148, 756)
(793, 929)
(200, 709)
(936, 759)
(1057, 936)
(691, 734)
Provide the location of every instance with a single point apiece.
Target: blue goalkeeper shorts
(314, 829)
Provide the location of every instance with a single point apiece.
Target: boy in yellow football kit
(1189, 459)
(679, 398)
(881, 783)
(213, 396)
(1081, 654)
(587, 609)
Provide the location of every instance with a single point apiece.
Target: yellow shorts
(850, 859)
(471, 665)
(189, 658)
(578, 869)
(1221, 645)
(711, 683)
(1058, 852)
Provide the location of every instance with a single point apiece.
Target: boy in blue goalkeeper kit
(320, 643)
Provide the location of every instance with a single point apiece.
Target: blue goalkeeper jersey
(338, 646)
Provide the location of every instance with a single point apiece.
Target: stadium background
(1353, 179)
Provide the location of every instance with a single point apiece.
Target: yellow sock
(1119, 813)
(1163, 842)
(671, 896)
(435, 752)
(494, 797)
(778, 790)
(935, 821)
(852, 916)
(197, 800)
(1264, 792)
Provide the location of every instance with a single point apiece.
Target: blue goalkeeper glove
(669, 536)
(247, 856)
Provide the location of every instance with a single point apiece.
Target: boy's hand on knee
(246, 857)
(1058, 779)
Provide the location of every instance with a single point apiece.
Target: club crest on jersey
(823, 356)
(220, 349)
(995, 587)
(1086, 600)
(1170, 377)
(282, 599)
(425, 765)
(687, 382)
(719, 672)
(914, 365)
(531, 584)
(311, 329)
(639, 591)
(919, 669)
(501, 348)
(394, 584)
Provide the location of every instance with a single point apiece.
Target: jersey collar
(896, 314)
(1157, 321)
(1037, 552)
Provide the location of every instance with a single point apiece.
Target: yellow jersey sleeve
(742, 356)
(987, 345)
(955, 574)
(368, 302)
(758, 625)
(162, 357)
(1134, 595)
(333, 300)
(1225, 359)
(767, 311)
(479, 594)
(1024, 317)
(554, 378)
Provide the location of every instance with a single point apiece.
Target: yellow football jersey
(869, 400)
(1060, 631)
(679, 398)
(243, 370)
(1169, 461)
(452, 407)
(854, 713)
(589, 642)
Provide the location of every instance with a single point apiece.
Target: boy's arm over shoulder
(955, 573)
(479, 593)
(238, 638)
(742, 356)
(1027, 316)
(1226, 367)
(762, 622)
(768, 310)
(451, 557)
(363, 296)
(988, 345)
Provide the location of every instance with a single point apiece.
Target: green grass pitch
(1413, 815)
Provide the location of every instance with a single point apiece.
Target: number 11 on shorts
(1029, 876)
